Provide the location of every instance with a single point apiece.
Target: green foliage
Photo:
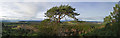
(51, 29)
(57, 13)
(107, 31)
(16, 32)
(46, 20)
(107, 19)
(114, 16)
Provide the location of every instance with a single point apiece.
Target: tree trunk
(59, 19)
(75, 19)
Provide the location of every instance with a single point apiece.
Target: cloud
(59, 0)
(23, 9)
(36, 10)
(95, 18)
(26, 9)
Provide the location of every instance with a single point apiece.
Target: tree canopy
(58, 12)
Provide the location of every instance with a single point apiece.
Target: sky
(89, 11)
(59, 0)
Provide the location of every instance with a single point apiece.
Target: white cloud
(26, 9)
(93, 18)
(59, 0)
(36, 10)
(22, 10)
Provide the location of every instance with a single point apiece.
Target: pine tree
(114, 16)
(114, 19)
(59, 12)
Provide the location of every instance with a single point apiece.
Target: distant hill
(41, 20)
(95, 21)
(21, 20)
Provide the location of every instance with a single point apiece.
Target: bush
(109, 30)
(46, 20)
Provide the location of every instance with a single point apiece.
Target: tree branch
(62, 17)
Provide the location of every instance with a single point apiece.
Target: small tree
(57, 13)
(114, 16)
